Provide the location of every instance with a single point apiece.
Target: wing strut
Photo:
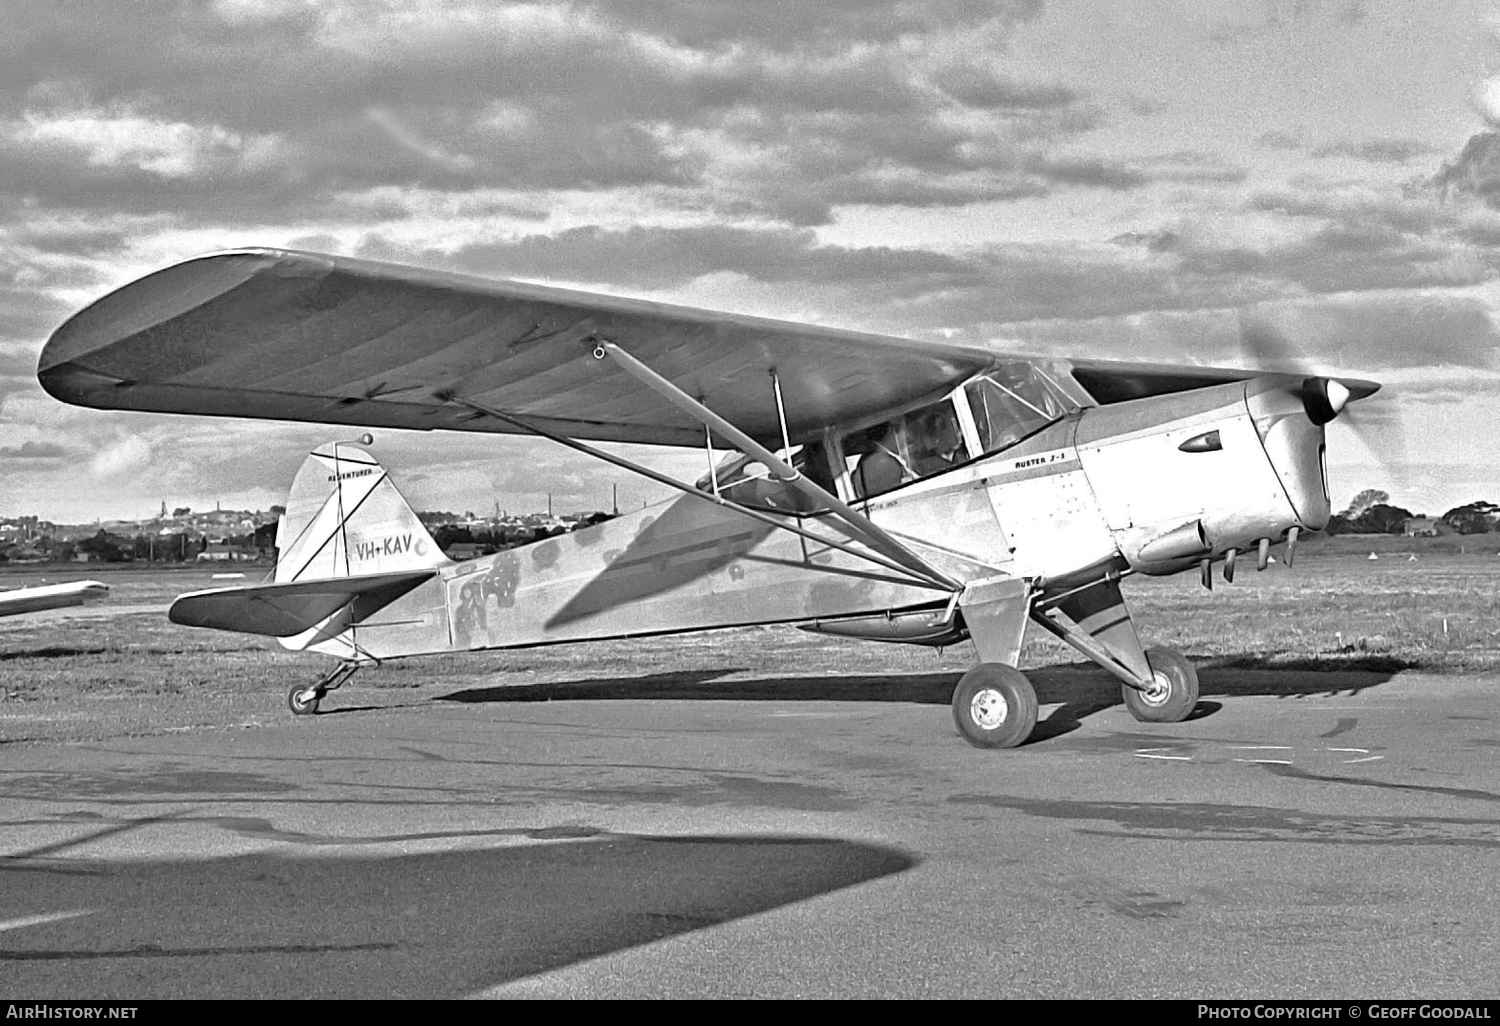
(873, 535)
(933, 581)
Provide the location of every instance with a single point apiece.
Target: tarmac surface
(1334, 844)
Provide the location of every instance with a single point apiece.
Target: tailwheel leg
(1173, 690)
(304, 698)
(994, 706)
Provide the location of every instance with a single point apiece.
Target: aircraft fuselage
(1153, 485)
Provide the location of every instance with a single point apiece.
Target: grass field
(1338, 619)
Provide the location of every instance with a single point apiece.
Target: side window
(750, 483)
(915, 445)
(1011, 402)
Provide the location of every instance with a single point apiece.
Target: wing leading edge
(285, 335)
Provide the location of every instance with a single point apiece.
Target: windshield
(1012, 401)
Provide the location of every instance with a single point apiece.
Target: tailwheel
(994, 706)
(303, 701)
(304, 698)
(1174, 688)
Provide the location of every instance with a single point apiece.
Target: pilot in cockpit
(936, 443)
(881, 468)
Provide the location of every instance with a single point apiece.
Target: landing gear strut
(303, 699)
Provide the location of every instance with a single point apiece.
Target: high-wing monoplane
(15, 601)
(880, 488)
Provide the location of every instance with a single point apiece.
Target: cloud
(34, 451)
(1377, 151)
(1279, 140)
(721, 24)
(892, 165)
(663, 258)
(122, 460)
(217, 115)
(1486, 97)
(1366, 334)
(1475, 172)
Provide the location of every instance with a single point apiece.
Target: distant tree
(181, 511)
(1381, 519)
(108, 547)
(278, 511)
(171, 548)
(448, 534)
(1473, 518)
(1364, 501)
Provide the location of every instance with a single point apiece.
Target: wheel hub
(1159, 691)
(989, 709)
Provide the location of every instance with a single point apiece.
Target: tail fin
(346, 518)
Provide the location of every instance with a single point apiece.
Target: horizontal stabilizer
(285, 610)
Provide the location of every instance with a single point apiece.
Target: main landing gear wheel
(994, 706)
(303, 701)
(1174, 691)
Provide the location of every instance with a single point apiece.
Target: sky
(1303, 184)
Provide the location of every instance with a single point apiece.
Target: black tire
(303, 701)
(1178, 696)
(994, 706)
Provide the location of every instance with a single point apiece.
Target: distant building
(219, 552)
(1423, 527)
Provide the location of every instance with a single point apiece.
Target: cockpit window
(917, 444)
(1012, 401)
(749, 482)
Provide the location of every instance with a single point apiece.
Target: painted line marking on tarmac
(1160, 753)
(42, 919)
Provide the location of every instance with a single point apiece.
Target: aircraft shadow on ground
(1078, 689)
(1230, 676)
(440, 924)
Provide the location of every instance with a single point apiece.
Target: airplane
(15, 601)
(879, 488)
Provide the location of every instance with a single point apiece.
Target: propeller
(1375, 422)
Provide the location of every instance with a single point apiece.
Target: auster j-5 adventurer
(879, 487)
